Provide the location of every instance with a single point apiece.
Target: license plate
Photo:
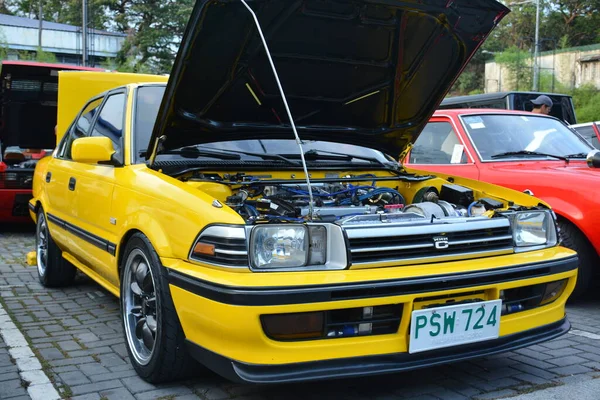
(439, 327)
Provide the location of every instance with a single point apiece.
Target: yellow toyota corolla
(272, 259)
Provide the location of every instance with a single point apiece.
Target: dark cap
(542, 100)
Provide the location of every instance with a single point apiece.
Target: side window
(80, 128)
(110, 120)
(438, 144)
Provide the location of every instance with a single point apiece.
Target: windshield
(148, 101)
(504, 133)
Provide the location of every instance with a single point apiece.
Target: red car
(28, 96)
(528, 152)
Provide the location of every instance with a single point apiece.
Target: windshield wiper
(314, 154)
(264, 156)
(577, 155)
(193, 152)
(528, 153)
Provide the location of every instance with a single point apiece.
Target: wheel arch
(152, 230)
(574, 216)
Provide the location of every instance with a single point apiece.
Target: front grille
(417, 244)
(16, 179)
(228, 251)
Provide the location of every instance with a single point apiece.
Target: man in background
(542, 105)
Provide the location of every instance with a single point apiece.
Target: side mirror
(593, 159)
(93, 150)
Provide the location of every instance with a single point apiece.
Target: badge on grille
(440, 242)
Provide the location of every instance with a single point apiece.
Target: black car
(562, 108)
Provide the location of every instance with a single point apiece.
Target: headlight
(296, 246)
(534, 229)
(279, 246)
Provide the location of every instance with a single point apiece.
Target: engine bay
(361, 199)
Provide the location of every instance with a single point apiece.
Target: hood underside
(368, 73)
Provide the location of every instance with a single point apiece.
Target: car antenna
(287, 109)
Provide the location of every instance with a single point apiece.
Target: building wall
(569, 66)
(21, 38)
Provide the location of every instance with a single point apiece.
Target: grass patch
(46, 367)
(25, 384)
(95, 357)
(65, 391)
(535, 388)
(57, 347)
(80, 343)
(32, 316)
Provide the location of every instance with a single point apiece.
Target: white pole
(536, 66)
(84, 34)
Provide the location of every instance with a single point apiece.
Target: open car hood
(363, 72)
(28, 103)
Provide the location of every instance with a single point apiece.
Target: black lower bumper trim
(371, 365)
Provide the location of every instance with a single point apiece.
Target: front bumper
(14, 205)
(372, 365)
(222, 321)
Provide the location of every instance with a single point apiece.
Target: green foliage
(157, 27)
(586, 99)
(44, 56)
(3, 46)
(65, 11)
(518, 64)
(39, 56)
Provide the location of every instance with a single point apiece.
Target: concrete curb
(30, 369)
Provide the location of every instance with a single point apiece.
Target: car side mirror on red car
(593, 159)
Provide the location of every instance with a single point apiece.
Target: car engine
(348, 203)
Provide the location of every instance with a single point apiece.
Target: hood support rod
(287, 109)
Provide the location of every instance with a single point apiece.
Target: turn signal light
(293, 326)
(206, 249)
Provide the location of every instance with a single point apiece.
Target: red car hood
(574, 171)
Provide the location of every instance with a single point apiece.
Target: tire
(53, 269)
(153, 335)
(572, 238)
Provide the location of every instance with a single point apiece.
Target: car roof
(584, 124)
(475, 111)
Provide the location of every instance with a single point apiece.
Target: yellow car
(271, 259)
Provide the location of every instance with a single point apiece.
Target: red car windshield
(497, 134)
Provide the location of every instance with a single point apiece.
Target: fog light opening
(553, 291)
(293, 326)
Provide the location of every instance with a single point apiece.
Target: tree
(518, 64)
(66, 11)
(155, 31)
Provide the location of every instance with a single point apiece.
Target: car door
(93, 185)
(59, 198)
(440, 149)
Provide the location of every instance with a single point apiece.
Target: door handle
(48, 177)
(72, 182)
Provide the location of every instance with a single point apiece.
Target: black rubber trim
(371, 365)
(268, 296)
(97, 241)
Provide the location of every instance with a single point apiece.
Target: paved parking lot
(76, 334)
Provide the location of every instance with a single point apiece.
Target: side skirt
(95, 276)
